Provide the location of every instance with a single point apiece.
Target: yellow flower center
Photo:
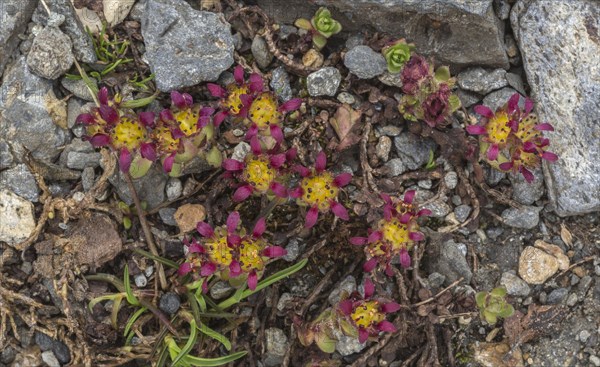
(187, 120)
(395, 233)
(258, 173)
(367, 314)
(263, 111)
(218, 251)
(250, 255)
(376, 249)
(164, 139)
(527, 129)
(319, 191)
(233, 102)
(497, 128)
(530, 160)
(128, 133)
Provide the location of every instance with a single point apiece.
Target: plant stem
(147, 233)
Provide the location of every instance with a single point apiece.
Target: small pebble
(169, 303)
(174, 188)
(595, 360)
(584, 335)
(425, 184)
(140, 280)
(451, 180)
(572, 300)
(345, 97)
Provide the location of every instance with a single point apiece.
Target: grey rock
(482, 81)
(20, 181)
(447, 259)
(16, 216)
(514, 285)
(50, 55)
(436, 280)
(347, 345)
(50, 360)
(286, 300)
(82, 43)
(79, 161)
(468, 33)
(286, 30)
(498, 98)
(61, 351)
(425, 184)
(293, 250)
(584, 335)
(595, 360)
(571, 105)
(74, 109)
(527, 218)
(6, 157)
(439, 208)
(220, 290)
(346, 97)
(240, 151)
(195, 166)
(14, 16)
(467, 98)
(280, 83)
(8, 354)
(493, 176)
(347, 286)
(184, 46)
(25, 118)
(365, 63)
(167, 215)
(150, 188)
(515, 81)
(451, 180)
(557, 296)
(357, 39)
(140, 280)
(395, 167)
(276, 344)
(169, 303)
(413, 149)
(502, 9)
(43, 341)
(462, 212)
(391, 130)
(393, 80)
(174, 188)
(525, 192)
(323, 82)
(572, 299)
(88, 177)
(78, 88)
(261, 52)
(383, 147)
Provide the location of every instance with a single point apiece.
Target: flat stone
(557, 296)
(514, 285)
(525, 192)
(80, 161)
(498, 98)
(393, 80)
(446, 258)
(50, 55)
(220, 290)
(570, 50)
(50, 359)
(174, 188)
(16, 216)
(467, 99)
(97, 240)
(323, 82)
(150, 188)
(78, 88)
(536, 266)
(261, 52)
(280, 83)
(482, 81)
(346, 287)
(413, 150)
(365, 63)
(184, 46)
(20, 181)
(167, 215)
(15, 14)
(527, 217)
(462, 212)
(276, 344)
(383, 147)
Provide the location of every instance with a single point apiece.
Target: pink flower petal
(252, 280)
(274, 251)
(291, 105)
(370, 265)
(424, 213)
(506, 166)
(178, 100)
(483, 111)
(109, 114)
(233, 220)
(252, 132)
(389, 271)
(476, 130)
(409, 196)
(184, 269)
(321, 161)
(235, 269)
(276, 133)
(529, 147)
(238, 74)
(311, 217)
(255, 146)
(339, 210)
(207, 111)
(124, 160)
(168, 163)
(549, 156)
(346, 307)
(196, 248)
(527, 175)
(100, 140)
(386, 198)
(528, 105)
(219, 117)
(277, 160)
(513, 103)
(176, 133)
(278, 189)
(256, 83)
(216, 90)
(232, 165)
(205, 229)
(363, 335)
(207, 269)
(85, 118)
(259, 228)
(166, 115)
(188, 99)
(291, 154)
(416, 236)
(375, 236)
(404, 259)
(342, 179)
(147, 118)
(233, 240)
(148, 151)
(544, 127)
(103, 96)
(242, 193)
(246, 100)
(386, 326)
(405, 218)
(388, 211)
(369, 288)
(492, 152)
(297, 192)
(358, 241)
(303, 171)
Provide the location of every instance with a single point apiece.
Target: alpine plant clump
(319, 190)
(394, 236)
(321, 27)
(354, 316)
(428, 94)
(397, 54)
(261, 172)
(511, 139)
(230, 253)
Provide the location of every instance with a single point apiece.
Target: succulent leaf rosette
(229, 252)
(493, 305)
(260, 173)
(397, 55)
(121, 130)
(394, 235)
(511, 138)
(319, 191)
(322, 26)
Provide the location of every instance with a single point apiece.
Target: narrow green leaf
(137, 103)
(133, 319)
(162, 260)
(187, 348)
(204, 329)
(209, 362)
(108, 297)
(201, 301)
(115, 311)
(131, 298)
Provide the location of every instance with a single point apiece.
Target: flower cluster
(354, 316)
(229, 252)
(511, 138)
(394, 235)
(321, 26)
(428, 96)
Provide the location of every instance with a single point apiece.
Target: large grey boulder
(25, 104)
(560, 44)
(455, 32)
(184, 46)
(14, 16)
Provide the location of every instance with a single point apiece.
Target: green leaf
(490, 318)
(131, 298)
(108, 297)
(319, 41)
(133, 319)
(480, 299)
(162, 260)
(127, 222)
(263, 284)
(431, 162)
(215, 335)
(454, 102)
(442, 74)
(506, 311)
(324, 342)
(498, 292)
(209, 362)
(187, 348)
(139, 166)
(303, 24)
(137, 103)
(115, 312)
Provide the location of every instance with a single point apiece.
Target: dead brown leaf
(345, 123)
(566, 235)
(539, 321)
